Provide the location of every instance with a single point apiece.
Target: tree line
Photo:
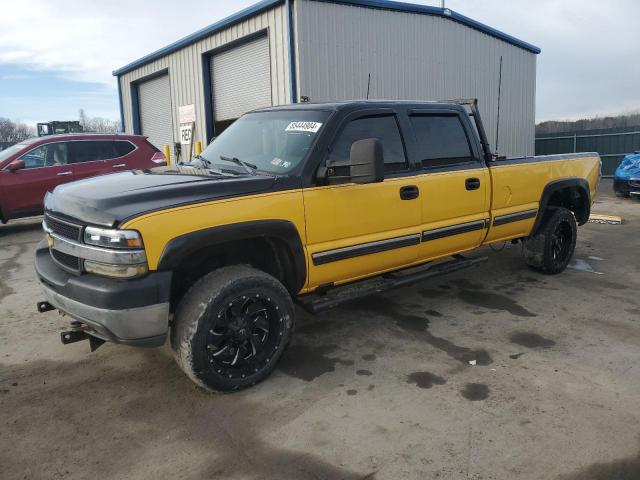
(554, 126)
(15, 131)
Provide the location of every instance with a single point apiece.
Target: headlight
(115, 271)
(112, 238)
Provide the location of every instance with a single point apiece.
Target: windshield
(273, 142)
(7, 152)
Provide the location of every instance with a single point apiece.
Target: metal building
(284, 51)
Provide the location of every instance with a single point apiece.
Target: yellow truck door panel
(353, 230)
(453, 217)
(356, 230)
(455, 186)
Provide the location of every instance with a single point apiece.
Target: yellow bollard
(198, 148)
(167, 154)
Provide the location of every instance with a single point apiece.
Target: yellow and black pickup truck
(307, 203)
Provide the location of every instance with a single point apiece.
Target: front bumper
(133, 311)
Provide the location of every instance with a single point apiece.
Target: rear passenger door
(356, 230)
(96, 157)
(454, 183)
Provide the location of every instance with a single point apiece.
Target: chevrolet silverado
(310, 203)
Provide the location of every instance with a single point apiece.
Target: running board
(315, 303)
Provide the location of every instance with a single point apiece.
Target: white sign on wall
(187, 114)
(186, 134)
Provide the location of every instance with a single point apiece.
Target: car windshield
(274, 142)
(7, 152)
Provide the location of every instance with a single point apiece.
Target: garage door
(154, 97)
(241, 79)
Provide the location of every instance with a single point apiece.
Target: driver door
(358, 230)
(46, 167)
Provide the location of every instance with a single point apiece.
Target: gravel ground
(380, 388)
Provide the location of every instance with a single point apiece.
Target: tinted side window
(441, 140)
(49, 155)
(93, 150)
(383, 128)
(123, 148)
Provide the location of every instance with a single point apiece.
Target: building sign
(187, 114)
(187, 119)
(186, 134)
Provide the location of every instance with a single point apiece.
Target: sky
(57, 57)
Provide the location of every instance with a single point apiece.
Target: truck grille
(63, 229)
(65, 260)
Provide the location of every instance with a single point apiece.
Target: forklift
(56, 127)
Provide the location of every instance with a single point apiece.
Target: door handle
(63, 174)
(409, 192)
(472, 183)
(120, 165)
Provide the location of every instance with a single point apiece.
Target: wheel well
(573, 198)
(268, 254)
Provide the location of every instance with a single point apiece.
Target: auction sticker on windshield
(312, 127)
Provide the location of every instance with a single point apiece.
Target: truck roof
(351, 104)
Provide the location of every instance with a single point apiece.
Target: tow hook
(77, 333)
(45, 307)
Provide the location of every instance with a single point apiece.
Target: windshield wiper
(249, 167)
(207, 165)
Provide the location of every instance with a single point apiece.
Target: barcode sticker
(312, 127)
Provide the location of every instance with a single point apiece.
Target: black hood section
(109, 200)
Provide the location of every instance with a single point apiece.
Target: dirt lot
(381, 388)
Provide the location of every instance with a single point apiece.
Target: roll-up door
(241, 79)
(154, 97)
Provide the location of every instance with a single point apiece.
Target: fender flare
(179, 248)
(552, 187)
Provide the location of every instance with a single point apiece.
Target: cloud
(14, 77)
(589, 62)
(85, 40)
(590, 50)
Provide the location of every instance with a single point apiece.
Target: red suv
(31, 168)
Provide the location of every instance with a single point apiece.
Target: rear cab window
(383, 127)
(441, 140)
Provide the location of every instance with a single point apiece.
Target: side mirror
(16, 165)
(365, 164)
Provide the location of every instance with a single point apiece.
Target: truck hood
(109, 200)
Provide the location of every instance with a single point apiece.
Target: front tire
(551, 249)
(231, 328)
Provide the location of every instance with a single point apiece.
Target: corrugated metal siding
(417, 57)
(241, 79)
(185, 68)
(154, 97)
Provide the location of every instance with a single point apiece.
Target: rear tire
(551, 249)
(231, 328)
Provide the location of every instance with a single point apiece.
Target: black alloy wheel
(231, 328)
(243, 334)
(561, 239)
(550, 250)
